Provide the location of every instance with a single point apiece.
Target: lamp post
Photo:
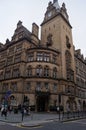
(68, 105)
(59, 102)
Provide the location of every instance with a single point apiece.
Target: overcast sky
(29, 11)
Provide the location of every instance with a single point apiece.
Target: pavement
(32, 120)
(35, 119)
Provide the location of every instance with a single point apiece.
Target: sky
(29, 11)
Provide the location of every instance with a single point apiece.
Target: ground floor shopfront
(42, 95)
(45, 102)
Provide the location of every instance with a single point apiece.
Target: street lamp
(59, 102)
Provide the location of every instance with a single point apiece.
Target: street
(71, 125)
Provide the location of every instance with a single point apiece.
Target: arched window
(67, 42)
(55, 72)
(39, 71)
(29, 71)
(16, 71)
(69, 71)
(68, 59)
(46, 71)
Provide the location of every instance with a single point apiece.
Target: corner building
(42, 73)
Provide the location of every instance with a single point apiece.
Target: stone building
(80, 64)
(43, 73)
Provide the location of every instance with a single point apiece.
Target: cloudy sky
(29, 11)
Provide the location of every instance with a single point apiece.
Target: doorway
(42, 103)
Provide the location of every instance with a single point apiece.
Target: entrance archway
(71, 104)
(42, 100)
(84, 106)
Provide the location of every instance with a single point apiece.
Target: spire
(56, 4)
(54, 1)
(19, 24)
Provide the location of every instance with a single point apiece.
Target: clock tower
(56, 24)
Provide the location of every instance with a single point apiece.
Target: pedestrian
(29, 110)
(57, 109)
(68, 110)
(2, 111)
(22, 111)
(25, 111)
(78, 108)
(5, 112)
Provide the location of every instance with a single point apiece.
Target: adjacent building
(47, 72)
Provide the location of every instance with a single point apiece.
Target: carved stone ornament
(49, 40)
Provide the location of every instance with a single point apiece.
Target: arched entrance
(84, 106)
(79, 105)
(26, 101)
(42, 99)
(71, 104)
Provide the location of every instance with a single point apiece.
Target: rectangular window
(54, 59)
(1, 75)
(40, 56)
(9, 60)
(28, 86)
(39, 72)
(17, 58)
(13, 86)
(2, 64)
(55, 87)
(19, 47)
(55, 73)
(11, 50)
(46, 57)
(46, 72)
(38, 87)
(30, 57)
(47, 86)
(29, 72)
(4, 54)
(16, 72)
(5, 87)
(8, 74)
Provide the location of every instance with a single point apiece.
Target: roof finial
(56, 4)
(55, 1)
(19, 24)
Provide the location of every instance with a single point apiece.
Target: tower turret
(56, 32)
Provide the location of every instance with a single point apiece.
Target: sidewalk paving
(32, 120)
(35, 119)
